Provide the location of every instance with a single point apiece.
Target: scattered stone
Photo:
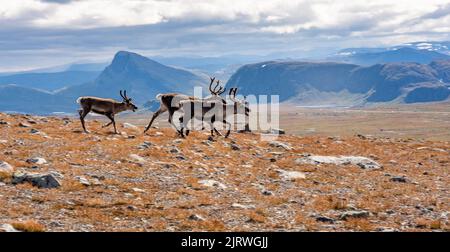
(291, 175)
(363, 162)
(131, 208)
(136, 158)
(5, 167)
(266, 192)
(84, 181)
(177, 141)
(325, 219)
(3, 122)
(130, 126)
(34, 131)
(240, 206)
(212, 183)
(37, 160)
(386, 229)
(235, 147)
(196, 217)
(138, 190)
(174, 150)
(39, 180)
(3, 141)
(145, 145)
(277, 131)
(211, 138)
(354, 214)
(24, 125)
(278, 144)
(180, 157)
(399, 179)
(8, 228)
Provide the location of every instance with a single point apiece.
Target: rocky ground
(53, 177)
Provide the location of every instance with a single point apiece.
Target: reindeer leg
(156, 114)
(180, 132)
(106, 125)
(113, 122)
(83, 112)
(229, 128)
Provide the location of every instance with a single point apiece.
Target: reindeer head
(127, 101)
(239, 105)
(217, 90)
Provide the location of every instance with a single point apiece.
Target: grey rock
(325, 219)
(36, 160)
(8, 228)
(291, 175)
(354, 214)
(36, 179)
(235, 147)
(277, 131)
(130, 126)
(278, 144)
(34, 131)
(240, 206)
(196, 217)
(84, 181)
(174, 150)
(399, 179)
(5, 167)
(363, 162)
(212, 183)
(24, 125)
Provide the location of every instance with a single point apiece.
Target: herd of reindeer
(211, 109)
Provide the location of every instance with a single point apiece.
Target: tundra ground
(159, 182)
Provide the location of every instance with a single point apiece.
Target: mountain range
(345, 84)
(300, 82)
(143, 79)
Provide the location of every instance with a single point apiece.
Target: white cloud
(277, 16)
(205, 27)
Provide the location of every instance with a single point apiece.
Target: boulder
(40, 180)
(363, 162)
(278, 144)
(354, 214)
(5, 167)
(37, 160)
(212, 183)
(291, 175)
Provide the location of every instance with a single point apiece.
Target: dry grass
(29, 226)
(163, 192)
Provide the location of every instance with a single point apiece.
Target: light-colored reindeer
(171, 102)
(107, 107)
(212, 111)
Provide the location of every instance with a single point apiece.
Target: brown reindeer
(171, 102)
(107, 107)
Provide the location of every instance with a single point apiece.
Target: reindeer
(171, 101)
(212, 110)
(107, 107)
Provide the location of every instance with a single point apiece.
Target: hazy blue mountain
(377, 83)
(391, 55)
(28, 100)
(49, 81)
(143, 79)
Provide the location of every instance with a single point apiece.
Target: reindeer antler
(121, 95)
(210, 84)
(232, 93)
(215, 91)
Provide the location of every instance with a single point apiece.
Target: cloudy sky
(41, 33)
